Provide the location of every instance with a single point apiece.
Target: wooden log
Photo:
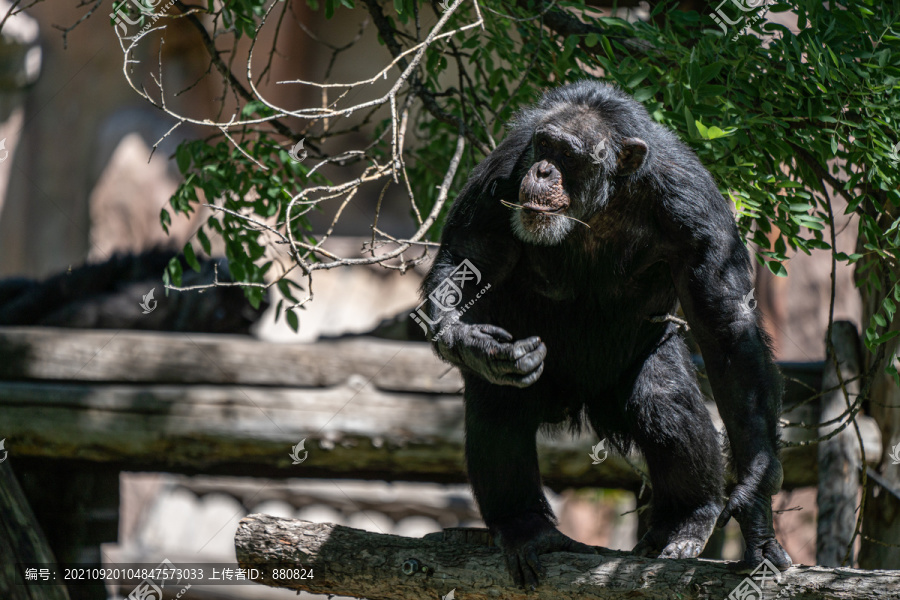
(351, 431)
(144, 357)
(228, 410)
(839, 460)
(352, 562)
(21, 541)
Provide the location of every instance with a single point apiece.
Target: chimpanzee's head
(578, 150)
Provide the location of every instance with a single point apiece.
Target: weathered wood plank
(353, 430)
(137, 357)
(352, 562)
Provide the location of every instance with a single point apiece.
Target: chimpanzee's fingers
(506, 355)
(531, 567)
(741, 498)
(523, 347)
(497, 333)
(777, 555)
(528, 361)
(512, 565)
(525, 365)
(726, 513)
(522, 380)
(754, 554)
(538, 571)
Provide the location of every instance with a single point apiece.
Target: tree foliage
(786, 118)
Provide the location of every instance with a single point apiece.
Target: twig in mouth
(520, 207)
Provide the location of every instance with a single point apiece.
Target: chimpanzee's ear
(631, 156)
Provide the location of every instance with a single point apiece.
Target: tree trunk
(839, 458)
(351, 562)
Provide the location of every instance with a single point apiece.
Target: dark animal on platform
(114, 295)
(587, 224)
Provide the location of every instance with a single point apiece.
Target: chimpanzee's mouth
(543, 208)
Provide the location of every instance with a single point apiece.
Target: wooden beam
(352, 430)
(356, 563)
(46, 353)
(367, 408)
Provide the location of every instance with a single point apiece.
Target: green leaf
(604, 41)
(278, 309)
(702, 129)
(183, 157)
(643, 94)
(204, 241)
(293, 320)
(776, 268)
(877, 341)
(689, 120)
(637, 78)
(165, 219)
(191, 258)
(174, 271)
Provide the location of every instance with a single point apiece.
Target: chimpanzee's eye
(544, 143)
(568, 154)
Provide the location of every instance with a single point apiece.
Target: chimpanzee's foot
(753, 511)
(525, 540)
(770, 550)
(682, 540)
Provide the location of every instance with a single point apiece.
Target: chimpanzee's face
(574, 157)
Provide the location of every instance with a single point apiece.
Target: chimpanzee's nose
(544, 169)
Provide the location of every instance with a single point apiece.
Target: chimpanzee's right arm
(478, 231)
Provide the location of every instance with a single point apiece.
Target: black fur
(563, 334)
(107, 295)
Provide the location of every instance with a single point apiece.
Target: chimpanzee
(108, 295)
(559, 261)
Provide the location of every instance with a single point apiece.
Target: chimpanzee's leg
(501, 453)
(666, 418)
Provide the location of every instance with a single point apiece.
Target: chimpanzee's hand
(751, 505)
(523, 542)
(491, 352)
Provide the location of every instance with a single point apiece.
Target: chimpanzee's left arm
(712, 275)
